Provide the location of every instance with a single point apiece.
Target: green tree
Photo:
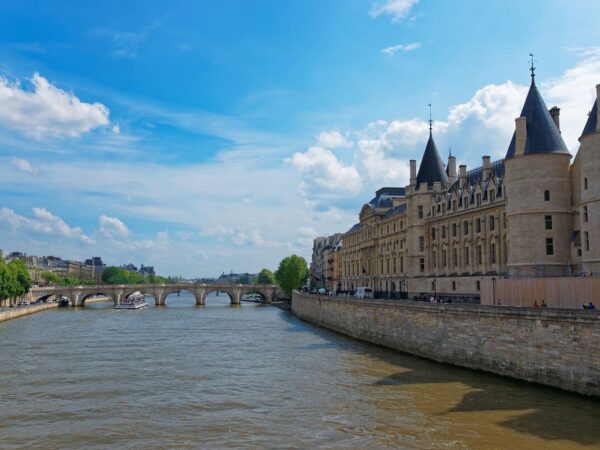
(244, 279)
(265, 276)
(5, 281)
(291, 273)
(21, 277)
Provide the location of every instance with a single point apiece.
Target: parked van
(322, 291)
(364, 292)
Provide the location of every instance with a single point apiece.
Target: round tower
(589, 185)
(538, 193)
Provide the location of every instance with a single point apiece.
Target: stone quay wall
(13, 313)
(559, 348)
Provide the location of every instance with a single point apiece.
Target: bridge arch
(80, 298)
(234, 297)
(166, 292)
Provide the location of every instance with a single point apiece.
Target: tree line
(15, 280)
(291, 274)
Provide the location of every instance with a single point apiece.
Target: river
(253, 376)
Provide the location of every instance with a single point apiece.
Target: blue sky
(223, 135)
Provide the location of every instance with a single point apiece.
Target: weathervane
(532, 68)
(430, 121)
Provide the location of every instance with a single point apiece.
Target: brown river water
(253, 376)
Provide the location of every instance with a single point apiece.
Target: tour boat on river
(134, 301)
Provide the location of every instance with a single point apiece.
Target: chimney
(462, 175)
(451, 169)
(555, 114)
(598, 107)
(413, 172)
(487, 166)
(521, 135)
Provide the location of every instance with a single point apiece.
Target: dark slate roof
(431, 168)
(395, 211)
(383, 197)
(592, 122)
(355, 227)
(542, 134)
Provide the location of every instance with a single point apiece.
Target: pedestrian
(499, 302)
(584, 306)
(535, 304)
(544, 304)
(591, 306)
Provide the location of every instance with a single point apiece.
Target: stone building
(532, 214)
(320, 268)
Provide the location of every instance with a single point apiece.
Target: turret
(451, 169)
(538, 192)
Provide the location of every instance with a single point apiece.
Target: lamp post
(435, 289)
(494, 291)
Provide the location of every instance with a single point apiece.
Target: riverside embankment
(13, 313)
(559, 348)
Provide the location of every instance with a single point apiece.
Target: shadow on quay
(544, 412)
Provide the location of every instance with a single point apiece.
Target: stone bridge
(77, 295)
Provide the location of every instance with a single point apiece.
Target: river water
(253, 376)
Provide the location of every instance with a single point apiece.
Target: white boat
(134, 301)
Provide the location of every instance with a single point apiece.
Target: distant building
(322, 261)
(130, 267)
(147, 270)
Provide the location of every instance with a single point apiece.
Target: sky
(204, 137)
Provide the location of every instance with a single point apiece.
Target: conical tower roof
(542, 134)
(431, 168)
(592, 122)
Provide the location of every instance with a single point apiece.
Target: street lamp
(435, 289)
(494, 291)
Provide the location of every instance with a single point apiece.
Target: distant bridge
(77, 295)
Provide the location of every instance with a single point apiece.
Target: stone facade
(324, 267)
(553, 347)
(531, 214)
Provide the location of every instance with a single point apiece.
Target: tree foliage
(15, 280)
(265, 276)
(244, 279)
(117, 275)
(291, 273)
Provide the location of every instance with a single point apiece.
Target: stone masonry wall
(553, 347)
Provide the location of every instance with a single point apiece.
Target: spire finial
(430, 121)
(532, 68)
(450, 152)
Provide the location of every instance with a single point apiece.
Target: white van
(364, 292)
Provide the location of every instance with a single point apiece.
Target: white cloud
(42, 221)
(322, 167)
(48, 110)
(116, 129)
(397, 9)
(404, 48)
(22, 165)
(112, 227)
(332, 139)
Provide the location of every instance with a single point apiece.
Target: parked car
(364, 292)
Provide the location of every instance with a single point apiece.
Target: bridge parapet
(78, 294)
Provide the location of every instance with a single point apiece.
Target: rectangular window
(478, 225)
(420, 209)
(492, 220)
(585, 183)
(443, 231)
(548, 222)
(444, 258)
(478, 285)
(492, 196)
(402, 264)
(478, 199)
(421, 244)
(493, 253)
(455, 257)
(433, 234)
(453, 230)
(434, 260)
(549, 246)
(394, 264)
(466, 202)
(585, 214)
(422, 264)
(547, 196)
(466, 256)
(466, 228)
(453, 205)
(586, 238)
(479, 255)
(454, 285)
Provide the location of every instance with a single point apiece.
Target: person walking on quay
(591, 306)
(535, 304)
(544, 305)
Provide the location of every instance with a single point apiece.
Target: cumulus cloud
(47, 111)
(332, 139)
(22, 165)
(322, 168)
(403, 48)
(112, 227)
(43, 222)
(397, 9)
